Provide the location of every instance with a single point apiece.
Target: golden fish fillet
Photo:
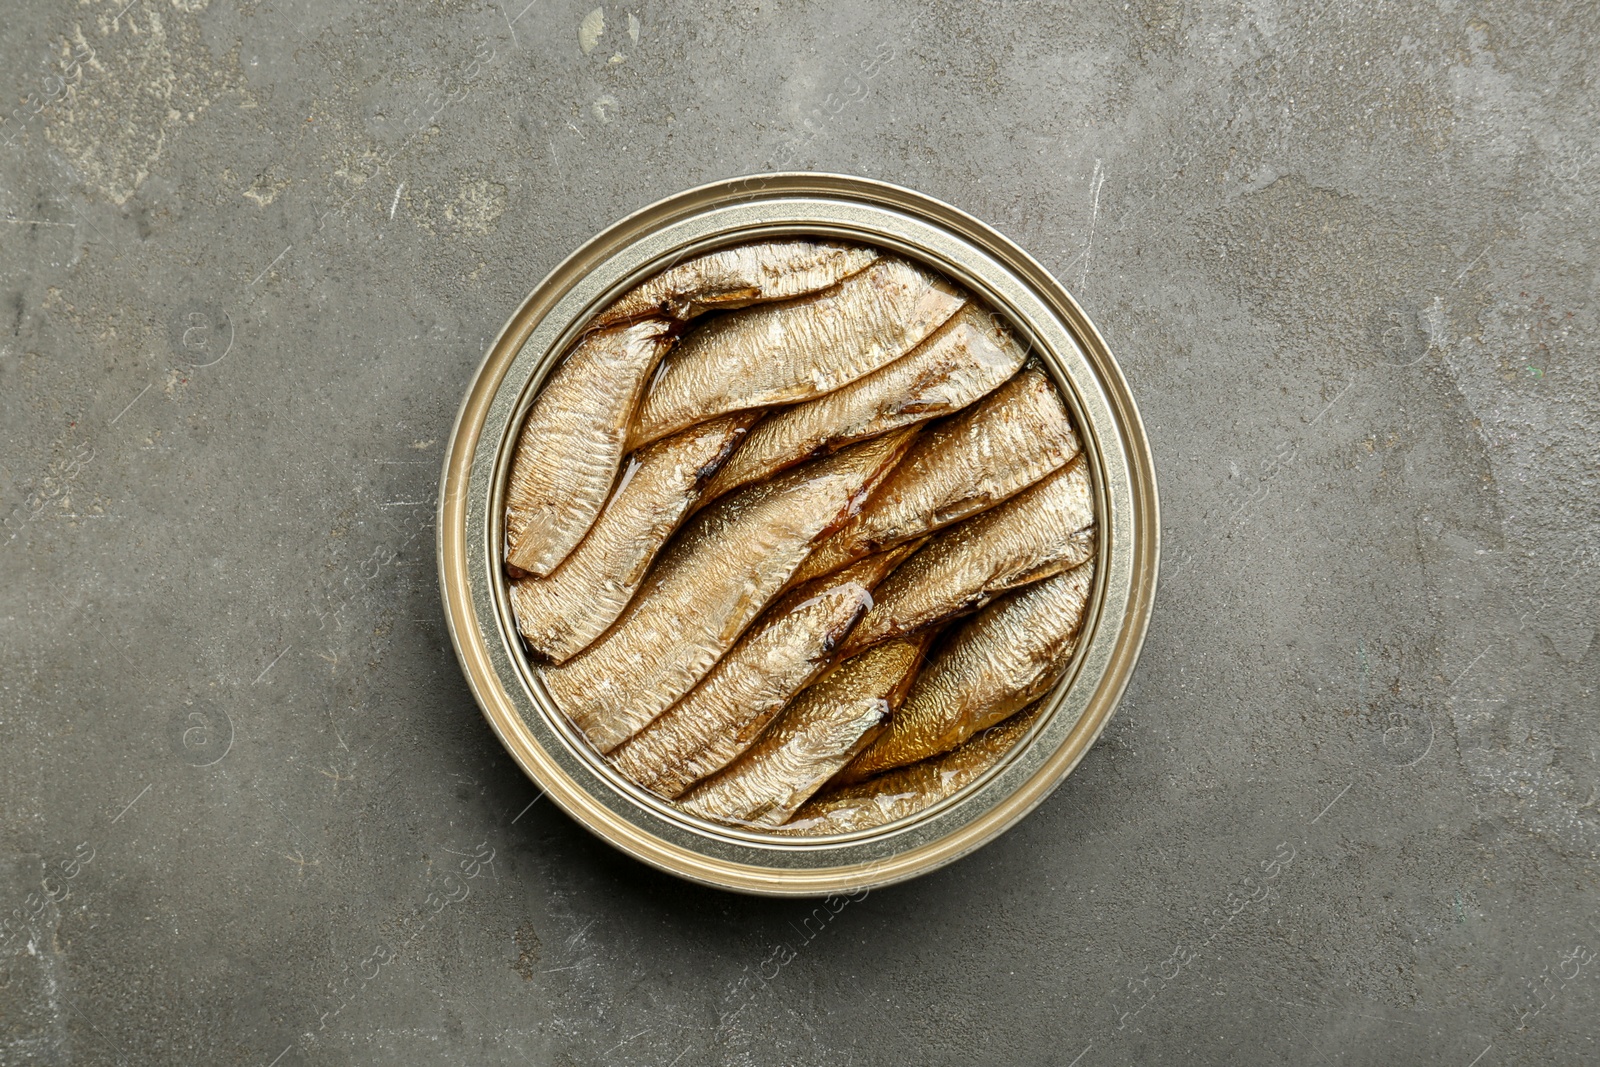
(868, 570)
(738, 276)
(725, 713)
(562, 614)
(908, 790)
(971, 461)
(706, 587)
(968, 357)
(1043, 530)
(819, 731)
(1008, 655)
(572, 442)
(797, 349)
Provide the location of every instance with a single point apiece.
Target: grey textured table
(252, 253)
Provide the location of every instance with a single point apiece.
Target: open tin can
(506, 681)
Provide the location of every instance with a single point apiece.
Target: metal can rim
(506, 685)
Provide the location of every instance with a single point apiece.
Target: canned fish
(798, 534)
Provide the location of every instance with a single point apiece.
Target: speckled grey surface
(250, 255)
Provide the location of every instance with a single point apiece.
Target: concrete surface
(252, 253)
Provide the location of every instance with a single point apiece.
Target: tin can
(506, 682)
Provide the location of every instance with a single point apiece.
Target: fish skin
(725, 714)
(965, 359)
(1043, 530)
(739, 276)
(960, 466)
(794, 350)
(563, 613)
(869, 570)
(706, 587)
(572, 442)
(819, 731)
(907, 790)
(1005, 657)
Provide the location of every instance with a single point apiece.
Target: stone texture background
(250, 254)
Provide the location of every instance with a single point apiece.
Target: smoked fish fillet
(1005, 657)
(1043, 530)
(572, 442)
(560, 615)
(819, 731)
(725, 713)
(738, 276)
(797, 349)
(967, 358)
(908, 790)
(707, 586)
(960, 466)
